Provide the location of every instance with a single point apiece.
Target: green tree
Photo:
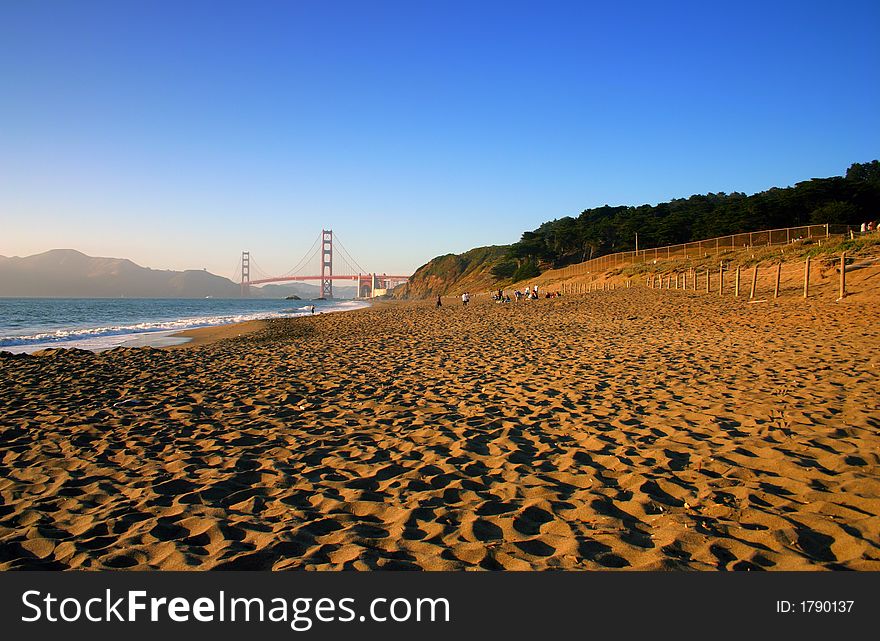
(606, 229)
(834, 213)
(504, 270)
(529, 269)
(864, 172)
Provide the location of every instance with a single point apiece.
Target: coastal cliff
(454, 273)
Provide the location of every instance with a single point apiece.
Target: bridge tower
(326, 263)
(245, 274)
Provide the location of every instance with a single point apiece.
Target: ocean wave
(60, 337)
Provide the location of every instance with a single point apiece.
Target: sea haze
(31, 324)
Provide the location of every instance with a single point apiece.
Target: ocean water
(31, 324)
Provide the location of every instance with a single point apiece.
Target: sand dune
(626, 429)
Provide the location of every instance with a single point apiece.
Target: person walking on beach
(465, 299)
(439, 302)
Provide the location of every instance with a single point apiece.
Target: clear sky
(179, 133)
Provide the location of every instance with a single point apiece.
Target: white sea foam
(155, 333)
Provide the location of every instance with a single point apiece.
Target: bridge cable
(259, 270)
(236, 272)
(347, 253)
(349, 269)
(304, 259)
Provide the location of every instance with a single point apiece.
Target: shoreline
(213, 333)
(164, 338)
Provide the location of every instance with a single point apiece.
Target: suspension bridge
(318, 265)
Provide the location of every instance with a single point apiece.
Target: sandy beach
(635, 429)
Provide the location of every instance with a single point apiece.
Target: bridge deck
(362, 277)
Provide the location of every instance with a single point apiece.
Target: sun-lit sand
(626, 429)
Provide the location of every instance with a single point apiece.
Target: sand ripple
(627, 429)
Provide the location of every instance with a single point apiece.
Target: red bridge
(368, 284)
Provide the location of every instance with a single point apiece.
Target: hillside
(454, 273)
(849, 199)
(69, 273)
(862, 267)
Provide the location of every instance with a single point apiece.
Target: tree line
(849, 199)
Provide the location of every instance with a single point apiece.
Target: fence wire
(703, 248)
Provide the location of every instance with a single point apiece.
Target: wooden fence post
(721, 279)
(778, 276)
(807, 277)
(842, 276)
(708, 281)
(736, 283)
(695, 278)
(754, 282)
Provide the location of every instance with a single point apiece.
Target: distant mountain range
(67, 273)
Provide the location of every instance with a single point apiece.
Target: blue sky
(179, 133)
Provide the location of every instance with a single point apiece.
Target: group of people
(526, 294)
(868, 227)
(501, 297)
